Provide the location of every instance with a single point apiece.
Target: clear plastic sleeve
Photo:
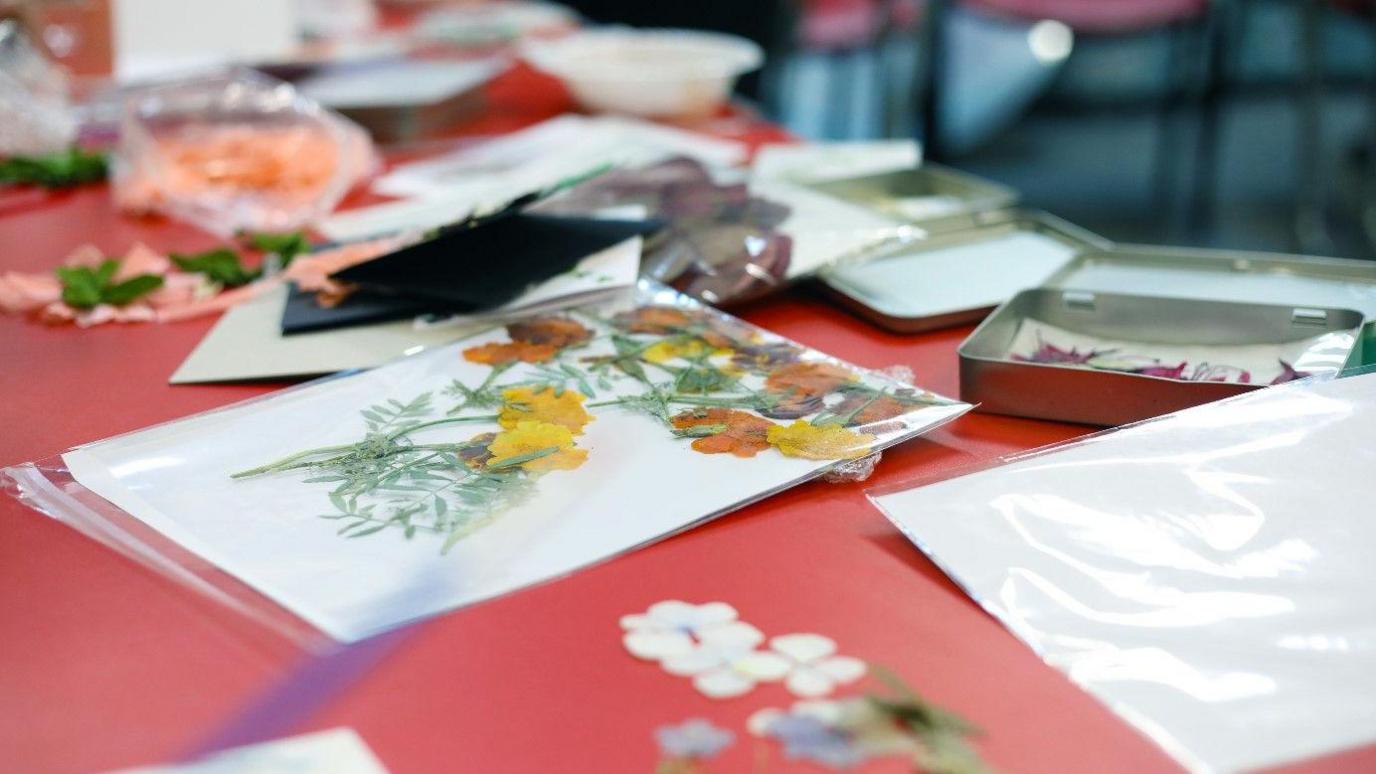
(33, 97)
(236, 151)
(352, 505)
(1205, 574)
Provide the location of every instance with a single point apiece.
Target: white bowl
(651, 73)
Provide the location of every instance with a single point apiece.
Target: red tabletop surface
(106, 663)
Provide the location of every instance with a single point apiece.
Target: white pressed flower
(668, 628)
(814, 668)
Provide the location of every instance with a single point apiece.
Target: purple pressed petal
(1163, 371)
(1047, 352)
(1289, 373)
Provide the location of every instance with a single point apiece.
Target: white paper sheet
(825, 229)
(247, 342)
(638, 482)
(1207, 575)
(335, 751)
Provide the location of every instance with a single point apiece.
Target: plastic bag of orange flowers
(236, 151)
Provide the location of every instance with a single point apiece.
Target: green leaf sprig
(84, 287)
(63, 169)
(221, 266)
(285, 246)
(942, 735)
(225, 267)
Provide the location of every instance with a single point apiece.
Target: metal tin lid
(1223, 275)
(960, 272)
(921, 194)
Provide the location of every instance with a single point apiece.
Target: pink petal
(28, 292)
(86, 255)
(217, 303)
(178, 289)
(57, 313)
(103, 313)
(142, 259)
(311, 272)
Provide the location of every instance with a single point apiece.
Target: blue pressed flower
(809, 738)
(696, 738)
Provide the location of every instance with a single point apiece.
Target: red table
(105, 663)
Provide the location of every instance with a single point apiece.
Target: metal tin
(404, 123)
(1074, 394)
(403, 100)
(1228, 275)
(921, 194)
(957, 291)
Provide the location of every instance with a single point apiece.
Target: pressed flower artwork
(508, 458)
(676, 365)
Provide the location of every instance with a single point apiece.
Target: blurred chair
(1101, 17)
(994, 69)
(855, 51)
(1195, 29)
(847, 43)
(1311, 231)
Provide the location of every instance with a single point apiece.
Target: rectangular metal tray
(1228, 275)
(924, 292)
(921, 194)
(1073, 394)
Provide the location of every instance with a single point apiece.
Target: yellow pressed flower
(541, 446)
(686, 348)
(824, 442)
(522, 404)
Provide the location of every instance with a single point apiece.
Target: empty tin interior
(920, 194)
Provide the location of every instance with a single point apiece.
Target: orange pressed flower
(504, 352)
(736, 432)
(727, 333)
(868, 409)
(554, 331)
(655, 319)
(808, 379)
(763, 357)
(793, 406)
